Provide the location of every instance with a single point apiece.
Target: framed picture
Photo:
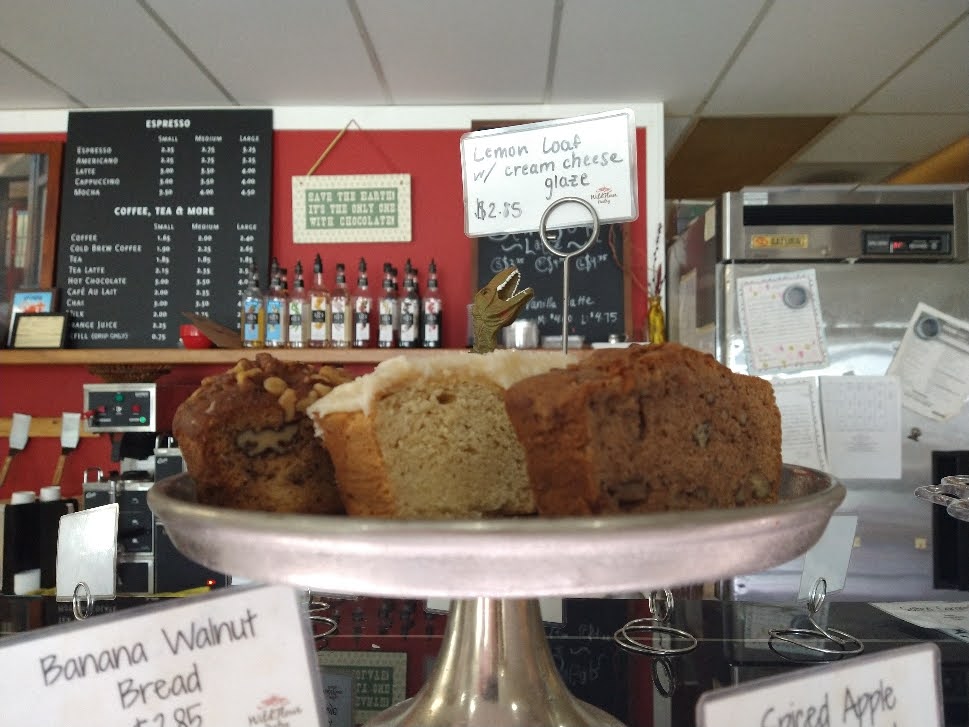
(30, 300)
(379, 678)
(39, 330)
(352, 208)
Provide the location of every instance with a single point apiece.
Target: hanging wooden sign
(352, 208)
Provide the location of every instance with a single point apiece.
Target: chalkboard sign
(162, 212)
(599, 293)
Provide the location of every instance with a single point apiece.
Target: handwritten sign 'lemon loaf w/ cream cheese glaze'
(896, 688)
(237, 657)
(511, 175)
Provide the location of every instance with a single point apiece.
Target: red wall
(430, 157)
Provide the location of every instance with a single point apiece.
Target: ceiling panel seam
(173, 36)
(909, 62)
(741, 44)
(744, 40)
(34, 72)
(365, 38)
(553, 49)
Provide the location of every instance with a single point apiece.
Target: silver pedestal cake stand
(495, 666)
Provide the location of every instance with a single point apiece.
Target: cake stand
(495, 666)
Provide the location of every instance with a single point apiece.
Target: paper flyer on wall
(932, 362)
(862, 418)
(780, 317)
(802, 432)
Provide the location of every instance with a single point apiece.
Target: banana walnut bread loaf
(429, 437)
(647, 428)
(248, 444)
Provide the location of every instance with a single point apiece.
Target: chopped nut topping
(288, 402)
(760, 484)
(274, 385)
(701, 434)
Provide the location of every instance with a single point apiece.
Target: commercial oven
(866, 257)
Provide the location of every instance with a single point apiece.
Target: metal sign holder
(548, 243)
(844, 644)
(662, 609)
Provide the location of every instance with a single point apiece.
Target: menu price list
(597, 305)
(163, 212)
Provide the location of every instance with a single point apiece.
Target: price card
(511, 175)
(896, 688)
(242, 656)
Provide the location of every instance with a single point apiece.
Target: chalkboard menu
(162, 212)
(599, 295)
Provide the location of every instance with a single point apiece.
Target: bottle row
(312, 315)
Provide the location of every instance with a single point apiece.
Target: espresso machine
(148, 562)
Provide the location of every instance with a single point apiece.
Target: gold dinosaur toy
(495, 306)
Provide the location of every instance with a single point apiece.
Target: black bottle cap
(317, 264)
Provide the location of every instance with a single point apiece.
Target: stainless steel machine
(147, 561)
(876, 253)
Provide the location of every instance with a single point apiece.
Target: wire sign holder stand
(832, 642)
(547, 242)
(672, 641)
(952, 493)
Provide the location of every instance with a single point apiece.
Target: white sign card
(780, 318)
(338, 695)
(829, 557)
(890, 689)
(862, 426)
(87, 552)
(802, 431)
(933, 363)
(511, 175)
(234, 657)
(949, 616)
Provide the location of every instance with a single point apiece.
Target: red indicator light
(210, 582)
(136, 408)
(898, 245)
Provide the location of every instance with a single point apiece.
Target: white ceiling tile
(673, 129)
(317, 53)
(462, 51)
(886, 138)
(825, 56)
(19, 88)
(937, 81)
(651, 50)
(104, 53)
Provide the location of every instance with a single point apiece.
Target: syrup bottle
(299, 311)
(342, 327)
(253, 314)
(410, 311)
(362, 306)
(431, 305)
(319, 298)
(386, 307)
(277, 323)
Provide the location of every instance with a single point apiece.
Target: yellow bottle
(657, 320)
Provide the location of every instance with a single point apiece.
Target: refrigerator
(856, 271)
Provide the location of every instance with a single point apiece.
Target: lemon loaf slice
(429, 437)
